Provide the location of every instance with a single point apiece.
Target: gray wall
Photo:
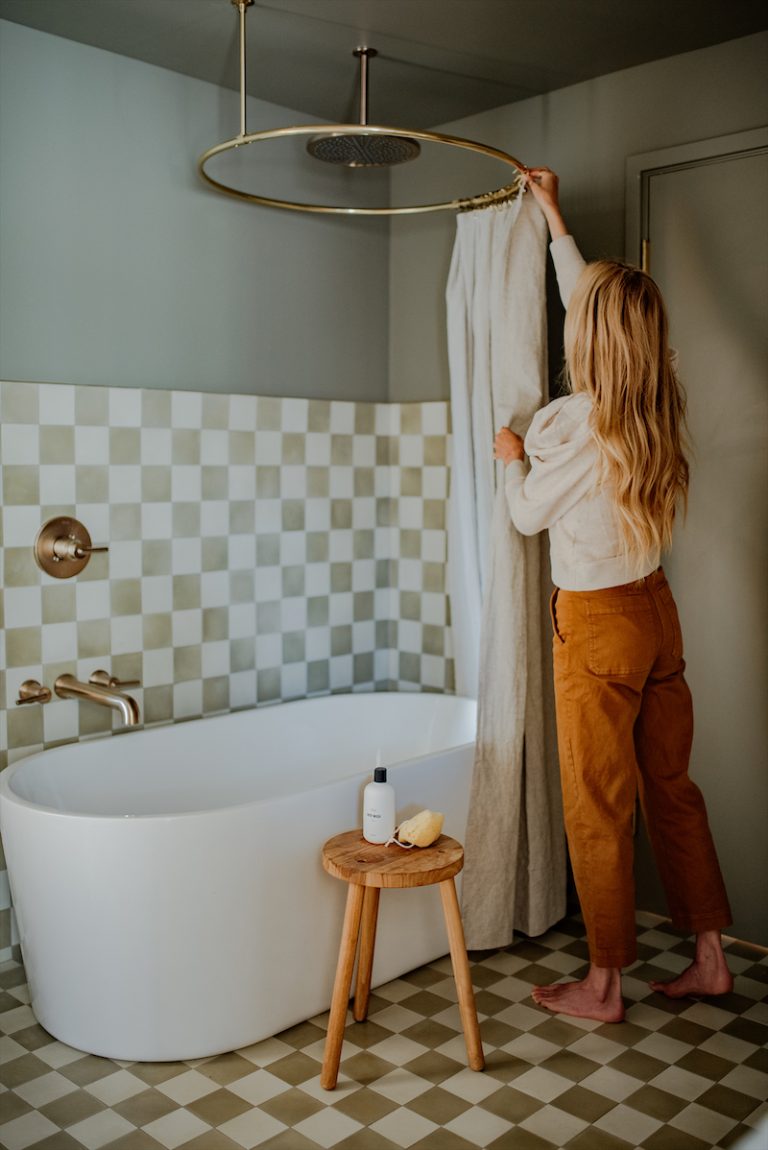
(585, 132)
(119, 267)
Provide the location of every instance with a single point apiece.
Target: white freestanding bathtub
(167, 883)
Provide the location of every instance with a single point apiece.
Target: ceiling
(439, 60)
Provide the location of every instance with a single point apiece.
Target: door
(706, 223)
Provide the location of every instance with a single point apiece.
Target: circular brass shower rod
(404, 141)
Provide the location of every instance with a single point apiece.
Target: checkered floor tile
(684, 1075)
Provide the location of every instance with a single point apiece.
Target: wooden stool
(367, 868)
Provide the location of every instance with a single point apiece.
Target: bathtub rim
(7, 794)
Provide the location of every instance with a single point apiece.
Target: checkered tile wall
(260, 549)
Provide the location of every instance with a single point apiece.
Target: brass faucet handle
(31, 691)
(74, 549)
(104, 679)
(63, 547)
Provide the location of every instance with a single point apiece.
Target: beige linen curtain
(514, 875)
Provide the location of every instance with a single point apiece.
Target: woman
(607, 469)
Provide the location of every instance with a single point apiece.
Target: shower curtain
(514, 875)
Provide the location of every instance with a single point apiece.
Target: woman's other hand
(543, 185)
(508, 446)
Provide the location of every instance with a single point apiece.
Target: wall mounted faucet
(104, 690)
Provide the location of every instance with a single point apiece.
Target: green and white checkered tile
(676, 1075)
(261, 549)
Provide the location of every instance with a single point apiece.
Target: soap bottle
(379, 808)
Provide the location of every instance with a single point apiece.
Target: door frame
(641, 167)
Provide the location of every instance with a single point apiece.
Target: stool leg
(342, 983)
(367, 944)
(460, 964)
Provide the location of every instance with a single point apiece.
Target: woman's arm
(569, 264)
(560, 447)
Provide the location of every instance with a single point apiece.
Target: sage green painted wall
(120, 268)
(585, 132)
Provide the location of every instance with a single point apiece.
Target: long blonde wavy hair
(617, 351)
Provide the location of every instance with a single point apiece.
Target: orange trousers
(625, 725)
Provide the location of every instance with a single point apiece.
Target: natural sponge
(422, 829)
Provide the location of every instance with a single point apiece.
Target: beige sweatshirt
(558, 492)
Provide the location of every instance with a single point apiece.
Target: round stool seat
(350, 857)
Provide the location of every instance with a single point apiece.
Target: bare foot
(597, 996)
(708, 974)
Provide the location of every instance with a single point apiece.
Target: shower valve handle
(104, 679)
(74, 549)
(63, 547)
(31, 691)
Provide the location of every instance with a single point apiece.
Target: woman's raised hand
(543, 184)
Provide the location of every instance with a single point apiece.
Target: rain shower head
(361, 149)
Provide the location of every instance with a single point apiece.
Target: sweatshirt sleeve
(569, 264)
(562, 457)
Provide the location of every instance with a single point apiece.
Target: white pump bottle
(379, 808)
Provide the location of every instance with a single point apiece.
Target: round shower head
(362, 149)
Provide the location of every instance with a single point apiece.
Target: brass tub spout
(68, 687)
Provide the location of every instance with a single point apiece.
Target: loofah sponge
(422, 829)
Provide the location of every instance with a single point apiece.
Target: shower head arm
(364, 54)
